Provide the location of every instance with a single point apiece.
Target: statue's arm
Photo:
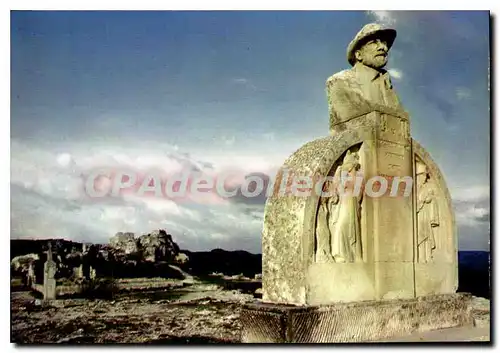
(344, 102)
(338, 96)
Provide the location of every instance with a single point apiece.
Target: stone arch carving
(289, 221)
(446, 250)
(446, 207)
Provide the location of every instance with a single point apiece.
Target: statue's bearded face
(373, 53)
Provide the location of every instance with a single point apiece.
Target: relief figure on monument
(326, 219)
(427, 215)
(338, 230)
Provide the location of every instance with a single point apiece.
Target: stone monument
(353, 266)
(49, 272)
(31, 276)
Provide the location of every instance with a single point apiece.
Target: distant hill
(473, 271)
(39, 246)
(222, 261)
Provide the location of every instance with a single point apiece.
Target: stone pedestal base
(352, 322)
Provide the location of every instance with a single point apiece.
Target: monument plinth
(362, 321)
(379, 253)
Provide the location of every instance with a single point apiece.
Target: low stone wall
(68, 289)
(128, 284)
(134, 284)
(37, 287)
(60, 290)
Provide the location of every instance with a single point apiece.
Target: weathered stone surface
(389, 246)
(352, 322)
(439, 274)
(480, 308)
(319, 250)
(289, 221)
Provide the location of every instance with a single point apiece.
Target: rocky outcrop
(152, 247)
(124, 242)
(125, 256)
(20, 265)
(158, 246)
(480, 309)
(129, 256)
(181, 258)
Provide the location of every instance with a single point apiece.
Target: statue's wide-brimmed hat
(369, 31)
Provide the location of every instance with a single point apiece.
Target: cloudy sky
(219, 91)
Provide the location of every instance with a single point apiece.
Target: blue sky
(239, 90)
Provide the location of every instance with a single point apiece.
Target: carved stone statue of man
(366, 86)
(427, 215)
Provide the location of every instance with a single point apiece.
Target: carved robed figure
(427, 215)
(346, 235)
(338, 230)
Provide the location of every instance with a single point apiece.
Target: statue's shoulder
(341, 77)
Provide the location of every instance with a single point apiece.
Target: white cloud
(396, 73)
(471, 215)
(48, 200)
(384, 17)
(64, 159)
(471, 194)
(472, 208)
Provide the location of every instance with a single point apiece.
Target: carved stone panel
(393, 129)
(427, 214)
(435, 244)
(338, 222)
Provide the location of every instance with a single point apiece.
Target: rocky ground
(197, 313)
(201, 313)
